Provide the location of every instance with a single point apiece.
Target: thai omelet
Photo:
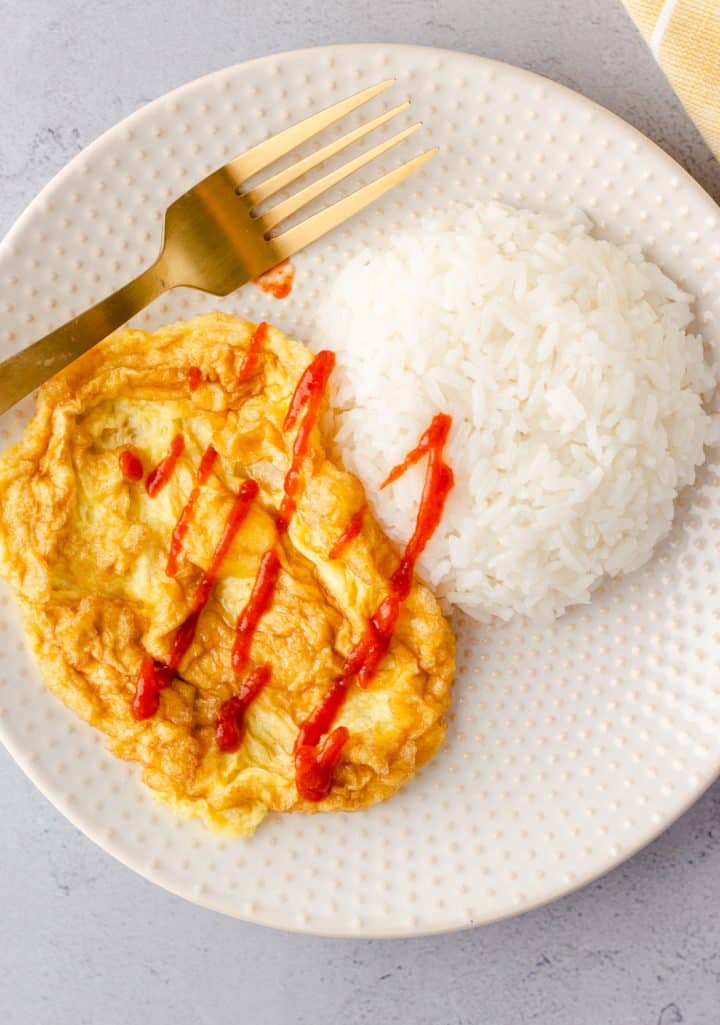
(85, 545)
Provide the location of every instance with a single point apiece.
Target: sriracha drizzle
(229, 726)
(155, 676)
(351, 531)
(257, 604)
(130, 465)
(194, 377)
(314, 765)
(257, 340)
(319, 745)
(308, 395)
(181, 527)
(315, 759)
(158, 478)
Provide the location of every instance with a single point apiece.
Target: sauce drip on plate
(277, 281)
(130, 465)
(181, 527)
(315, 758)
(154, 676)
(158, 478)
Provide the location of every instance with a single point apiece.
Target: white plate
(568, 748)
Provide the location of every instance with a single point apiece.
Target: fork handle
(26, 370)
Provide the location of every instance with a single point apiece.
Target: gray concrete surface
(85, 942)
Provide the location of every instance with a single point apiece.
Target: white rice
(575, 391)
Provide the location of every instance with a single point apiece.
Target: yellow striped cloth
(684, 36)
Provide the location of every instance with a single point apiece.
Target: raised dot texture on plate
(565, 754)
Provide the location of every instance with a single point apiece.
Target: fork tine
(289, 206)
(291, 174)
(289, 242)
(267, 152)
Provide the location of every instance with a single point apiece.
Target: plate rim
(25, 760)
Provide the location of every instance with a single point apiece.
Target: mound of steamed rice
(575, 389)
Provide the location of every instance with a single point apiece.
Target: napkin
(684, 36)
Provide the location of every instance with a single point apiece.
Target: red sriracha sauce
(315, 760)
(257, 340)
(350, 532)
(368, 653)
(314, 766)
(323, 715)
(195, 378)
(152, 678)
(229, 726)
(130, 465)
(277, 281)
(158, 478)
(181, 527)
(257, 605)
(155, 676)
(308, 396)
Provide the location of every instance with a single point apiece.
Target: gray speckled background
(88, 943)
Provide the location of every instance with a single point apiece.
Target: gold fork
(216, 241)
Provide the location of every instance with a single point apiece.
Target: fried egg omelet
(86, 549)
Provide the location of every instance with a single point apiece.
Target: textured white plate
(569, 747)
